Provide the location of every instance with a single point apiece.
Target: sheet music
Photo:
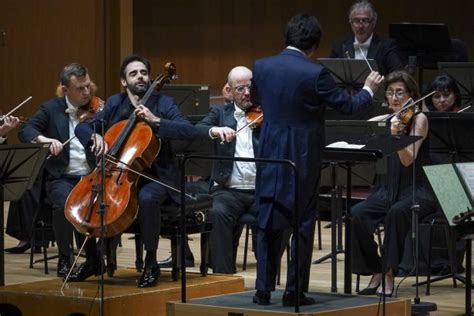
(343, 144)
(466, 171)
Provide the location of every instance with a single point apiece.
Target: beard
(138, 88)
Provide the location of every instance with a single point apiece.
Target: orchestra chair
(196, 211)
(437, 220)
(42, 234)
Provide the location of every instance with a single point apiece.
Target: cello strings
(119, 163)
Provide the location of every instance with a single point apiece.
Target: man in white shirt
(364, 43)
(54, 123)
(233, 183)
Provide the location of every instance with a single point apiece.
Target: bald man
(232, 183)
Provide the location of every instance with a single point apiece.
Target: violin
(254, 115)
(406, 117)
(132, 144)
(87, 111)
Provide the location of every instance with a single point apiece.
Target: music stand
(463, 75)
(19, 167)
(455, 193)
(429, 42)
(448, 141)
(350, 74)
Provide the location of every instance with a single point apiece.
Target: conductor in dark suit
(233, 183)
(293, 92)
(363, 18)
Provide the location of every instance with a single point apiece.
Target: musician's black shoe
(289, 299)
(261, 297)
(20, 248)
(168, 262)
(84, 271)
(63, 267)
(149, 277)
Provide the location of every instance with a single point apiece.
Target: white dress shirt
(77, 154)
(243, 173)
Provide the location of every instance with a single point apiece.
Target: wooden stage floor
(450, 301)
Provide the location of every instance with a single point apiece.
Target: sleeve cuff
(3, 139)
(369, 91)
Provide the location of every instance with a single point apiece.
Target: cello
(132, 145)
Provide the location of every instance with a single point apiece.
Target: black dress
(390, 204)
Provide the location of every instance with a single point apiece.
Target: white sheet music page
(345, 145)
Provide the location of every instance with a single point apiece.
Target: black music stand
(428, 42)
(350, 74)
(455, 193)
(19, 167)
(463, 75)
(448, 141)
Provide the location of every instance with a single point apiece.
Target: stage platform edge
(240, 304)
(121, 295)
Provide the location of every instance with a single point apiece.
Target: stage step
(121, 295)
(240, 304)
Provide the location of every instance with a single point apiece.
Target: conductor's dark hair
(74, 69)
(131, 59)
(443, 83)
(303, 31)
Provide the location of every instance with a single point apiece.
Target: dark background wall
(203, 38)
(206, 38)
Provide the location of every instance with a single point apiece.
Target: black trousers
(57, 191)
(228, 206)
(396, 217)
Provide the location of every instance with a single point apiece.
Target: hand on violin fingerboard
(225, 134)
(396, 126)
(7, 124)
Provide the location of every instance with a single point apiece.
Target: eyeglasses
(397, 94)
(365, 21)
(242, 88)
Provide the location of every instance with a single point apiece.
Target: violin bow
(18, 106)
(408, 104)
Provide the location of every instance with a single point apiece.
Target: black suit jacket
(382, 50)
(52, 121)
(223, 115)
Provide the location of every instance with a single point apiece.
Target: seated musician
(54, 123)
(392, 199)
(447, 97)
(233, 189)
(166, 122)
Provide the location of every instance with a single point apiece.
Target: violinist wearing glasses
(365, 43)
(233, 188)
(392, 199)
(54, 123)
(163, 117)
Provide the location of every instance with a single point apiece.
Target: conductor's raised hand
(373, 81)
